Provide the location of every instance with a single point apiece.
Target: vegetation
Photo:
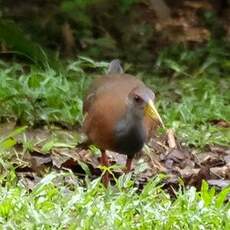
(42, 31)
(60, 201)
(44, 73)
(189, 102)
(60, 206)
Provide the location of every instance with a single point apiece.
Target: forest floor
(181, 179)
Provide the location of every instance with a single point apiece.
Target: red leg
(128, 166)
(105, 162)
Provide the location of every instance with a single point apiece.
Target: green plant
(51, 204)
(44, 95)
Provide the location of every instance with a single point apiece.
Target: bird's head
(141, 103)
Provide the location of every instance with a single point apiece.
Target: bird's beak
(151, 111)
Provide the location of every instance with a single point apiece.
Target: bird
(119, 115)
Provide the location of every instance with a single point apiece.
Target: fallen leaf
(219, 183)
(222, 172)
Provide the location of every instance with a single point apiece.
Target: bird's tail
(115, 67)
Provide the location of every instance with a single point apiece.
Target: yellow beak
(151, 111)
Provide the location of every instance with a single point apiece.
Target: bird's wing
(92, 92)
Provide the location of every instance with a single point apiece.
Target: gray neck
(130, 134)
(131, 120)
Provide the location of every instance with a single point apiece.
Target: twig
(171, 139)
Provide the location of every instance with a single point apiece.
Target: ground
(48, 182)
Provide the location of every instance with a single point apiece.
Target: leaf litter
(55, 149)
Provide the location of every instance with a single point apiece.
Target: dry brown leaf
(222, 172)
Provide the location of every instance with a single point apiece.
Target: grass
(190, 105)
(44, 96)
(54, 204)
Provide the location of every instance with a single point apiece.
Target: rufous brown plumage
(119, 114)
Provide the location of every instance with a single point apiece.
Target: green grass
(190, 105)
(53, 204)
(39, 96)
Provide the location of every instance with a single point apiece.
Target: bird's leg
(104, 161)
(128, 165)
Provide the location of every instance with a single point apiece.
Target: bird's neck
(130, 134)
(133, 119)
(130, 121)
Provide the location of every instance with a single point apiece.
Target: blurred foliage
(89, 22)
(100, 29)
(210, 59)
(15, 39)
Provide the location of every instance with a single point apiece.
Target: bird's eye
(137, 99)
